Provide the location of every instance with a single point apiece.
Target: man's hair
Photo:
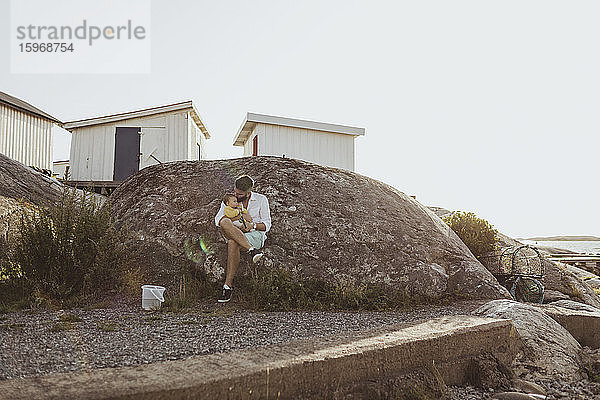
(244, 183)
(227, 196)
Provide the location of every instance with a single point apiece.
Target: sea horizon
(579, 246)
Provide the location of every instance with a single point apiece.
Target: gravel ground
(574, 390)
(41, 342)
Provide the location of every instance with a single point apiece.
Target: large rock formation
(590, 278)
(329, 224)
(21, 187)
(558, 277)
(549, 349)
(18, 181)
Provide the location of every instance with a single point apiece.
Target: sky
(482, 106)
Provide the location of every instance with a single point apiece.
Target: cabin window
(255, 146)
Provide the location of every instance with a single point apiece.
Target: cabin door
(255, 146)
(153, 146)
(127, 153)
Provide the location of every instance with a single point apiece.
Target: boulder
(20, 182)
(575, 306)
(581, 320)
(558, 277)
(591, 279)
(549, 349)
(329, 224)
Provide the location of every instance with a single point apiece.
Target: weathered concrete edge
(302, 369)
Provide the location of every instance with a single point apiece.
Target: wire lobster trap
(515, 261)
(519, 269)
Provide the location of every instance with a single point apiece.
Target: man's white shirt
(258, 208)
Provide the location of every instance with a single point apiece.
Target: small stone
(527, 387)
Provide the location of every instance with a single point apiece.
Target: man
(251, 238)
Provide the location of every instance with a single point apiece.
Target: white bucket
(152, 297)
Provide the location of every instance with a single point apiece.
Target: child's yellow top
(231, 212)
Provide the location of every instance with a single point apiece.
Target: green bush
(479, 236)
(68, 251)
(7, 269)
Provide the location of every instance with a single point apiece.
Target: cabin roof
(106, 119)
(252, 119)
(25, 107)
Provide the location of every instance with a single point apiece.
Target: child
(236, 212)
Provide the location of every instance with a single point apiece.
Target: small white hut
(60, 169)
(321, 143)
(26, 132)
(106, 150)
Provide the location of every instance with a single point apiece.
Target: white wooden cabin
(106, 150)
(318, 142)
(26, 132)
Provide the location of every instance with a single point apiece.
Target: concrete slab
(303, 369)
(582, 323)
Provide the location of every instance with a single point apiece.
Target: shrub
(479, 236)
(70, 250)
(7, 271)
(13, 294)
(62, 326)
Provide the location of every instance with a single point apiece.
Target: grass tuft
(14, 326)
(70, 318)
(153, 318)
(188, 322)
(62, 326)
(282, 290)
(107, 326)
